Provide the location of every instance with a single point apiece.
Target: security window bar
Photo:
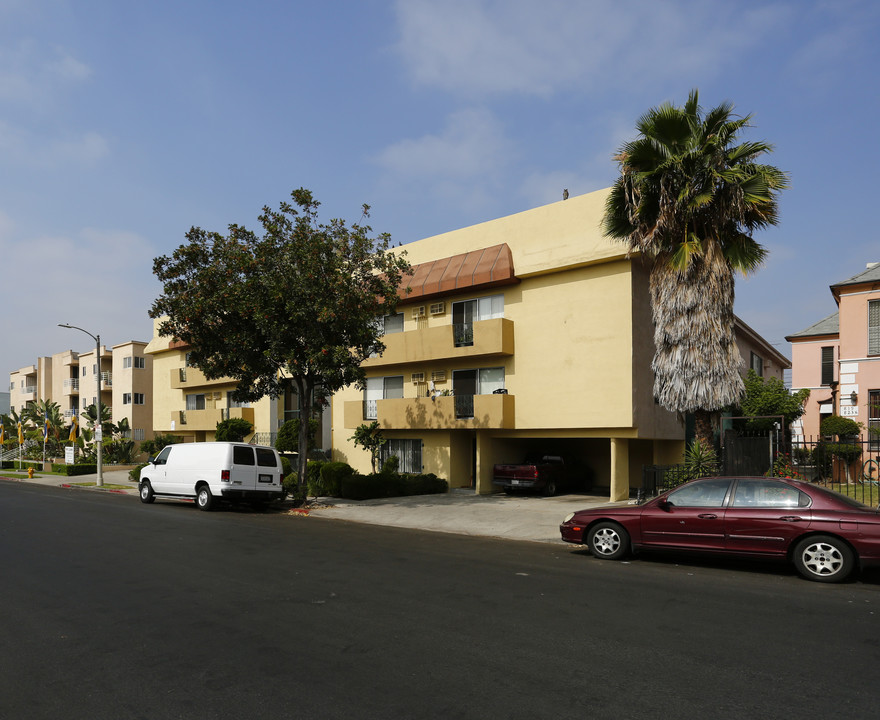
(874, 420)
(408, 453)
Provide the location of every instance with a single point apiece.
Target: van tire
(204, 499)
(146, 492)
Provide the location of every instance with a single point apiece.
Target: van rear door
(243, 473)
(269, 475)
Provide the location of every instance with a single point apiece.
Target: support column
(619, 469)
(485, 465)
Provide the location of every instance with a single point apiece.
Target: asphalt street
(115, 609)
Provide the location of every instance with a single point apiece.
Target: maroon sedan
(825, 534)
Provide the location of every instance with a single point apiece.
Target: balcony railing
(371, 410)
(463, 334)
(71, 384)
(464, 406)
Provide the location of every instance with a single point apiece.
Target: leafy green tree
(288, 435)
(689, 198)
(770, 397)
(371, 439)
(233, 429)
(154, 446)
(296, 304)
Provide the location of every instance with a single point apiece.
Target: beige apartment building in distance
(70, 379)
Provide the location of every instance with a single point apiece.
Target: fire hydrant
(30, 472)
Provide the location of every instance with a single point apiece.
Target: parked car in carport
(825, 534)
(547, 474)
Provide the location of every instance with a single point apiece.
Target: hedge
(69, 470)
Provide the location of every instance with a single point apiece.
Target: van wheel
(146, 492)
(204, 499)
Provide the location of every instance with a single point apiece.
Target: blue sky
(124, 124)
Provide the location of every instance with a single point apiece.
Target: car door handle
(791, 518)
(708, 516)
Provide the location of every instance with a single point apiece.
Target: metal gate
(747, 455)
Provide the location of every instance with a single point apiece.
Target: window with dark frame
(756, 363)
(873, 327)
(827, 365)
(874, 420)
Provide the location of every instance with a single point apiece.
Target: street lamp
(99, 435)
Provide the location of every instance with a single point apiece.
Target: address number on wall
(849, 411)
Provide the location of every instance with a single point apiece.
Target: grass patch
(866, 493)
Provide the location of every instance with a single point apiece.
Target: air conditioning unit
(438, 376)
(418, 378)
(438, 308)
(418, 312)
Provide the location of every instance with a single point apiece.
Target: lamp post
(99, 435)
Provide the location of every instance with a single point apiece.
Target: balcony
(462, 412)
(485, 338)
(71, 385)
(190, 377)
(208, 418)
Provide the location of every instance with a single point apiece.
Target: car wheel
(608, 540)
(550, 488)
(146, 492)
(204, 499)
(823, 558)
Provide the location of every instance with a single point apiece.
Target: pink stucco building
(838, 358)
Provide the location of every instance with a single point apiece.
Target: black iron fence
(848, 466)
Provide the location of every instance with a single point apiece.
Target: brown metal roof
(487, 267)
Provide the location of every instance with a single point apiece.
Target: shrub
(233, 430)
(391, 465)
(286, 466)
(135, 473)
(332, 476)
(295, 491)
(70, 470)
(839, 427)
(287, 439)
(426, 484)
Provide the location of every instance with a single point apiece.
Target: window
(242, 455)
(381, 388)
(126, 362)
(84, 371)
(265, 457)
(768, 494)
(195, 402)
(709, 493)
(138, 434)
(162, 457)
(408, 452)
(756, 363)
(873, 327)
(291, 403)
(467, 383)
(391, 323)
(140, 363)
(466, 313)
(827, 365)
(138, 398)
(230, 403)
(874, 420)
(126, 398)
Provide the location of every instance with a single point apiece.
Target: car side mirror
(664, 504)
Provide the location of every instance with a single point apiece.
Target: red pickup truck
(547, 474)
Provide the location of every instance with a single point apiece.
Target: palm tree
(688, 200)
(49, 413)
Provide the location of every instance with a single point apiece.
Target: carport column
(485, 465)
(619, 469)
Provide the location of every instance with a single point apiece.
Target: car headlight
(568, 517)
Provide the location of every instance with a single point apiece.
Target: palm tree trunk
(703, 428)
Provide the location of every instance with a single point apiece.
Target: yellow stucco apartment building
(527, 334)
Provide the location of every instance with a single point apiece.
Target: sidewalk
(463, 512)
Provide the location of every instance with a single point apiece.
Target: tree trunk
(306, 388)
(703, 428)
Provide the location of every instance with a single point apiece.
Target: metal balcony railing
(371, 410)
(463, 334)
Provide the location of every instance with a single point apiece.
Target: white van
(209, 471)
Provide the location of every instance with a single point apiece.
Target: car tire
(608, 541)
(146, 492)
(823, 558)
(550, 488)
(204, 499)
